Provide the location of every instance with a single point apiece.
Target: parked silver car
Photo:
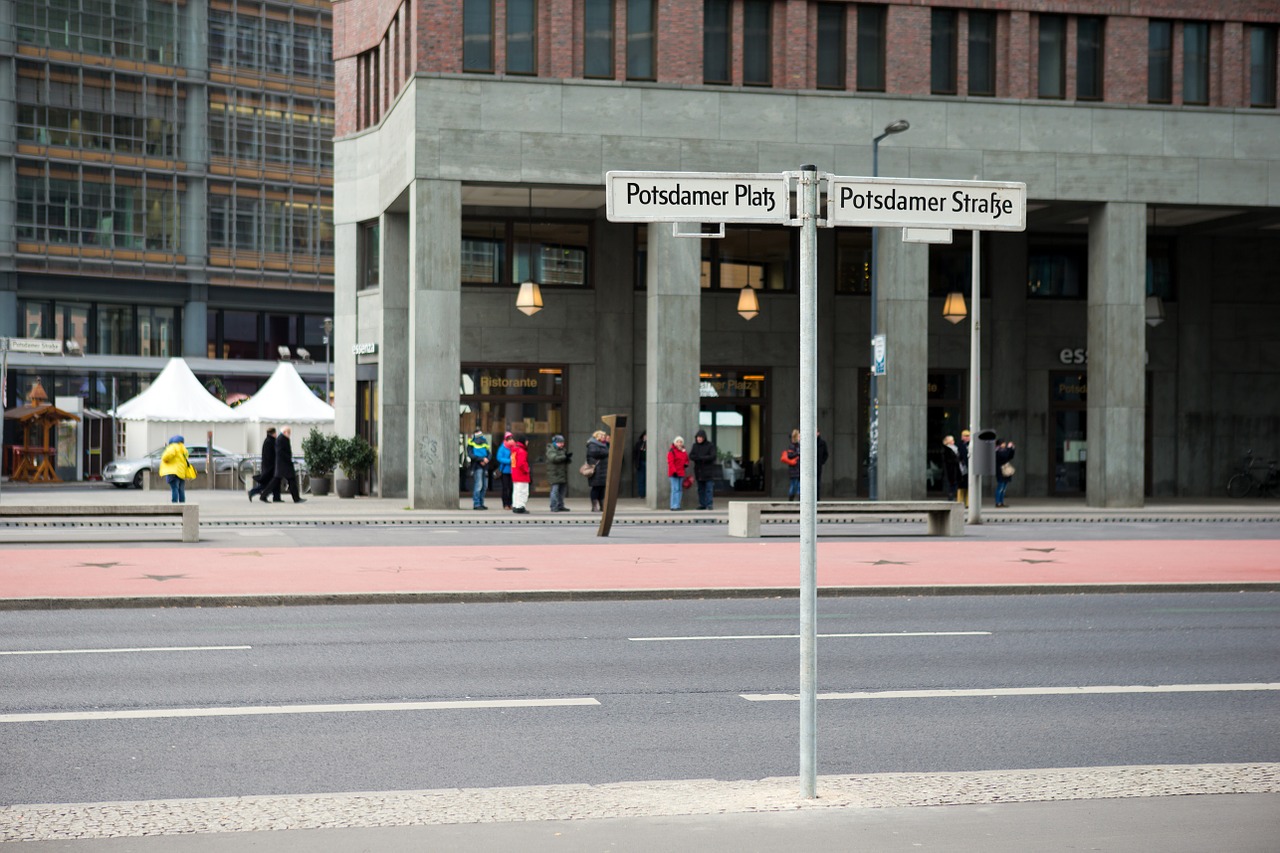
(128, 472)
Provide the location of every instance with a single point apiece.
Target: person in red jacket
(677, 464)
(520, 476)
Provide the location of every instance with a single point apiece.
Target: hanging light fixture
(748, 302)
(529, 299)
(954, 310)
(1155, 310)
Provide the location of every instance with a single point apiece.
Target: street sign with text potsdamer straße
(697, 197)
(914, 203)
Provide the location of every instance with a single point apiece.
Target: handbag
(587, 469)
(1006, 470)
(687, 482)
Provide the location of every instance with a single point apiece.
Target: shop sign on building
(934, 204)
(697, 197)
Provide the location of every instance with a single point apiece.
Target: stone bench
(945, 518)
(190, 514)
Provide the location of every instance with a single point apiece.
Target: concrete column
(614, 344)
(1006, 334)
(195, 322)
(346, 261)
(1196, 453)
(434, 342)
(1117, 348)
(8, 307)
(393, 357)
(903, 294)
(673, 350)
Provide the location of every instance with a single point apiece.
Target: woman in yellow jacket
(175, 468)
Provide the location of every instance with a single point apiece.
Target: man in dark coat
(268, 472)
(706, 467)
(950, 466)
(284, 469)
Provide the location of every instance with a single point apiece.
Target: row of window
(283, 129)
(501, 251)
(725, 42)
(280, 219)
(260, 334)
(291, 42)
(140, 30)
(90, 206)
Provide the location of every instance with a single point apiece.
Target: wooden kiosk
(33, 459)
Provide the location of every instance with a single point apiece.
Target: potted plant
(319, 449)
(355, 457)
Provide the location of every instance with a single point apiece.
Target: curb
(571, 595)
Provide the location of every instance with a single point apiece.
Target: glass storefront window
(734, 409)
(116, 330)
(522, 400)
(157, 331)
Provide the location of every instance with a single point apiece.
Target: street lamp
(328, 335)
(873, 417)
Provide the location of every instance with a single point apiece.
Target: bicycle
(1244, 482)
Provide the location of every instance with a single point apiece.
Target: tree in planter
(355, 456)
(320, 451)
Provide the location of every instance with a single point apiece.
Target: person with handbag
(521, 476)
(598, 464)
(1004, 469)
(677, 464)
(176, 468)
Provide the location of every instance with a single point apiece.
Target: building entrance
(734, 414)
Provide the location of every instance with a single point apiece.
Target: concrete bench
(190, 514)
(945, 518)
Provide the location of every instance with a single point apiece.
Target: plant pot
(319, 486)
(347, 488)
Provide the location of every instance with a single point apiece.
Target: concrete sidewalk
(248, 556)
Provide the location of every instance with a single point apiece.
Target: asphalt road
(619, 697)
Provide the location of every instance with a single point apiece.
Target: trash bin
(982, 453)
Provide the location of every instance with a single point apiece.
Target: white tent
(177, 404)
(284, 400)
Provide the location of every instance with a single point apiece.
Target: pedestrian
(823, 456)
(1004, 469)
(504, 469)
(706, 467)
(176, 468)
(950, 466)
(285, 471)
(640, 454)
(521, 476)
(677, 464)
(558, 472)
(791, 457)
(478, 454)
(962, 450)
(598, 459)
(268, 465)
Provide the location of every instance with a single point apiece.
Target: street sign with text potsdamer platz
(914, 203)
(697, 197)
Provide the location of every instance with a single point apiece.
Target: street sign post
(935, 204)
(737, 197)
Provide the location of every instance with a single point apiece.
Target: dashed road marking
(820, 636)
(1021, 691)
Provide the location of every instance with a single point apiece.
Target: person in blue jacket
(504, 470)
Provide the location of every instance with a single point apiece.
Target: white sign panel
(878, 355)
(697, 197)
(908, 203)
(36, 345)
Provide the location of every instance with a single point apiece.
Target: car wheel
(137, 480)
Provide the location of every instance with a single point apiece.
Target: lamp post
(328, 336)
(873, 416)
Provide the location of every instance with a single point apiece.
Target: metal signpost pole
(975, 386)
(808, 215)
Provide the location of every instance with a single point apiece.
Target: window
(477, 35)
(715, 41)
(871, 48)
(157, 331)
(1089, 53)
(1057, 268)
(369, 254)
(761, 257)
(551, 253)
(942, 53)
(982, 53)
(830, 71)
(1195, 63)
(757, 43)
(1053, 57)
(641, 39)
(115, 330)
(1160, 62)
(522, 36)
(853, 260)
(597, 39)
(1262, 66)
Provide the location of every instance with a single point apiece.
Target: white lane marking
(820, 636)
(264, 710)
(1021, 691)
(123, 651)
